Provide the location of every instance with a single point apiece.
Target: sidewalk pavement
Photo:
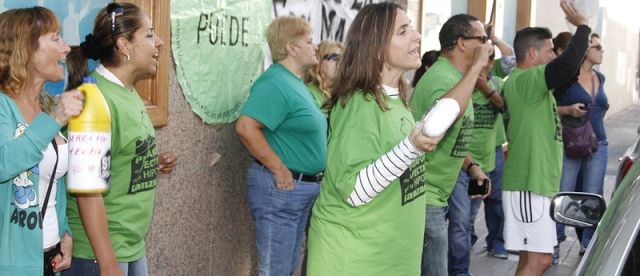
(621, 133)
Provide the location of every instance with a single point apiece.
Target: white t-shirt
(50, 223)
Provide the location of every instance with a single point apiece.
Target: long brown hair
(20, 30)
(101, 43)
(366, 49)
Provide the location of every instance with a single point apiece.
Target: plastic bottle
(440, 117)
(90, 143)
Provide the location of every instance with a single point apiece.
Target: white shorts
(527, 222)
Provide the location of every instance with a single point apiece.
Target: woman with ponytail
(109, 228)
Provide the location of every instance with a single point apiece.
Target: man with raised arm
(532, 171)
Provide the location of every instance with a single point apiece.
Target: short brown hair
(20, 30)
(561, 41)
(529, 37)
(283, 30)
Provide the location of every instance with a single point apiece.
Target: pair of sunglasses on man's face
(483, 38)
(597, 47)
(331, 57)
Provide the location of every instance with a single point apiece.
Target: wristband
(473, 163)
(490, 94)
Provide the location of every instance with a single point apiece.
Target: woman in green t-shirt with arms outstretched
(369, 217)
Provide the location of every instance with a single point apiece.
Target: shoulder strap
(593, 87)
(43, 209)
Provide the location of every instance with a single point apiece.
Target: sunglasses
(597, 47)
(482, 38)
(114, 10)
(332, 57)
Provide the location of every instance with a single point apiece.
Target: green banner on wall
(218, 50)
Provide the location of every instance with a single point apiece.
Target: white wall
(620, 40)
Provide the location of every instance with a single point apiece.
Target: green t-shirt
(485, 125)
(484, 121)
(500, 135)
(384, 236)
(129, 200)
(444, 163)
(497, 83)
(534, 133)
(496, 70)
(318, 96)
(294, 126)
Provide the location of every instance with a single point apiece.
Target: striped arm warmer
(377, 176)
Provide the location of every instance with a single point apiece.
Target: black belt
(300, 176)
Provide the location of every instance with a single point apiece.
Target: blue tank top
(577, 94)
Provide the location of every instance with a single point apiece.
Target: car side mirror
(577, 209)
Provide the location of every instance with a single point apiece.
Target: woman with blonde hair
(35, 238)
(320, 77)
(286, 134)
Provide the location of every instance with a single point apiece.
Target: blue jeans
(434, 253)
(592, 169)
(475, 206)
(493, 213)
(281, 217)
(89, 267)
(460, 226)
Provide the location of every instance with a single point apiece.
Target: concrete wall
(201, 223)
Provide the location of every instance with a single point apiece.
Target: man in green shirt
(493, 212)
(464, 52)
(532, 171)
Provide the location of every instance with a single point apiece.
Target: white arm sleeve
(507, 63)
(377, 176)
